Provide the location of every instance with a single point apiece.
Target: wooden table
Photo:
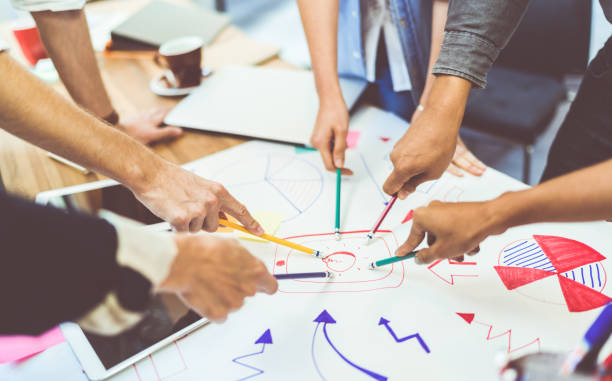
(26, 170)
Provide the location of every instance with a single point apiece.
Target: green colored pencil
(388, 261)
(338, 182)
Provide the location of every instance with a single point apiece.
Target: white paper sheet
(362, 324)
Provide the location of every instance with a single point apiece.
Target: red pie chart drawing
(576, 266)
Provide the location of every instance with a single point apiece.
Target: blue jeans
(585, 137)
(381, 94)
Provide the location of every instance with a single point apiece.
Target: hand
(147, 127)
(464, 159)
(423, 153)
(452, 229)
(190, 202)
(214, 275)
(329, 134)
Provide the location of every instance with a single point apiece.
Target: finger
(164, 133)
(196, 224)
(267, 283)
(454, 170)
(230, 205)
(426, 256)
(394, 183)
(211, 221)
(417, 233)
(464, 163)
(459, 259)
(339, 147)
(346, 171)
(474, 251)
(326, 156)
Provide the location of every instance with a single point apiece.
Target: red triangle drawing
(467, 317)
(408, 216)
(566, 254)
(515, 277)
(579, 297)
(384, 139)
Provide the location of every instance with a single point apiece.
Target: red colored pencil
(370, 235)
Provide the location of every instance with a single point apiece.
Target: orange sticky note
(19, 347)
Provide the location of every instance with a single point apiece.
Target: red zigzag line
(509, 334)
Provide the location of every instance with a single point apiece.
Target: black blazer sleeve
(54, 266)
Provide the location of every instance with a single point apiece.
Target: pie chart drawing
(577, 267)
(273, 182)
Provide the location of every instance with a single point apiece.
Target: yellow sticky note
(270, 221)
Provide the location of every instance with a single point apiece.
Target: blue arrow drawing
(386, 322)
(325, 318)
(265, 338)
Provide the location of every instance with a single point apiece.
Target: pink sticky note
(352, 138)
(18, 347)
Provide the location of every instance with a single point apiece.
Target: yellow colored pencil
(272, 238)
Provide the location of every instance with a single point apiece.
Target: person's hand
(190, 203)
(147, 128)
(329, 134)
(466, 161)
(452, 230)
(423, 153)
(214, 275)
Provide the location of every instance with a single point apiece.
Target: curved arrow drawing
(265, 338)
(325, 318)
(386, 322)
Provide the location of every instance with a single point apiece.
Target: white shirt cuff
(47, 5)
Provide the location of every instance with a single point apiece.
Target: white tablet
(166, 319)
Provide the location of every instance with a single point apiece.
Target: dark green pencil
(338, 181)
(390, 260)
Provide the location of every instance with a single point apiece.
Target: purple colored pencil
(322, 274)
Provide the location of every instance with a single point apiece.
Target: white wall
(601, 30)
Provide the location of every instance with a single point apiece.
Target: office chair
(525, 85)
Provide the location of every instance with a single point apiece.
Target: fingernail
(259, 229)
(402, 194)
(417, 260)
(339, 163)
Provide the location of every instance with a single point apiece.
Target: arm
(65, 35)
(320, 22)
(61, 266)
(458, 228)
(476, 31)
(38, 114)
(463, 158)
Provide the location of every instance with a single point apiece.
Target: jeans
(585, 137)
(381, 94)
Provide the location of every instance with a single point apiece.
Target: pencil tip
(330, 275)
(372, 266)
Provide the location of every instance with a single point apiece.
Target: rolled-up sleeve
(476, 31)
(47, 5)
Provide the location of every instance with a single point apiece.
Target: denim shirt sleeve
(476, 32)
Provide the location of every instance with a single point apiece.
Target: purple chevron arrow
(386, 322)
(265, 338)
(325, 318)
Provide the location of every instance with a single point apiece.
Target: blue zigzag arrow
(386, 322)
(325, 318)
(264, 339)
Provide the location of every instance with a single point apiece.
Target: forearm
(320, 22)
(447, 99)
(440, 9)
(584, 195)
(475, 33)
(40, 115)
(65, 35)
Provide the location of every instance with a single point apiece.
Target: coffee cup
(181, 58)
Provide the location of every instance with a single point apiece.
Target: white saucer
(158, 86)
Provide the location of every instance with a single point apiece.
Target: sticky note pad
(270, 221)
(352, 138)
(20, 347)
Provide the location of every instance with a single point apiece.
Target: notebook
(159, 21)
(264, 103)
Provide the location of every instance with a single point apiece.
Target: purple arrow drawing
(265, 338)
(386, 322)
(325, 318)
